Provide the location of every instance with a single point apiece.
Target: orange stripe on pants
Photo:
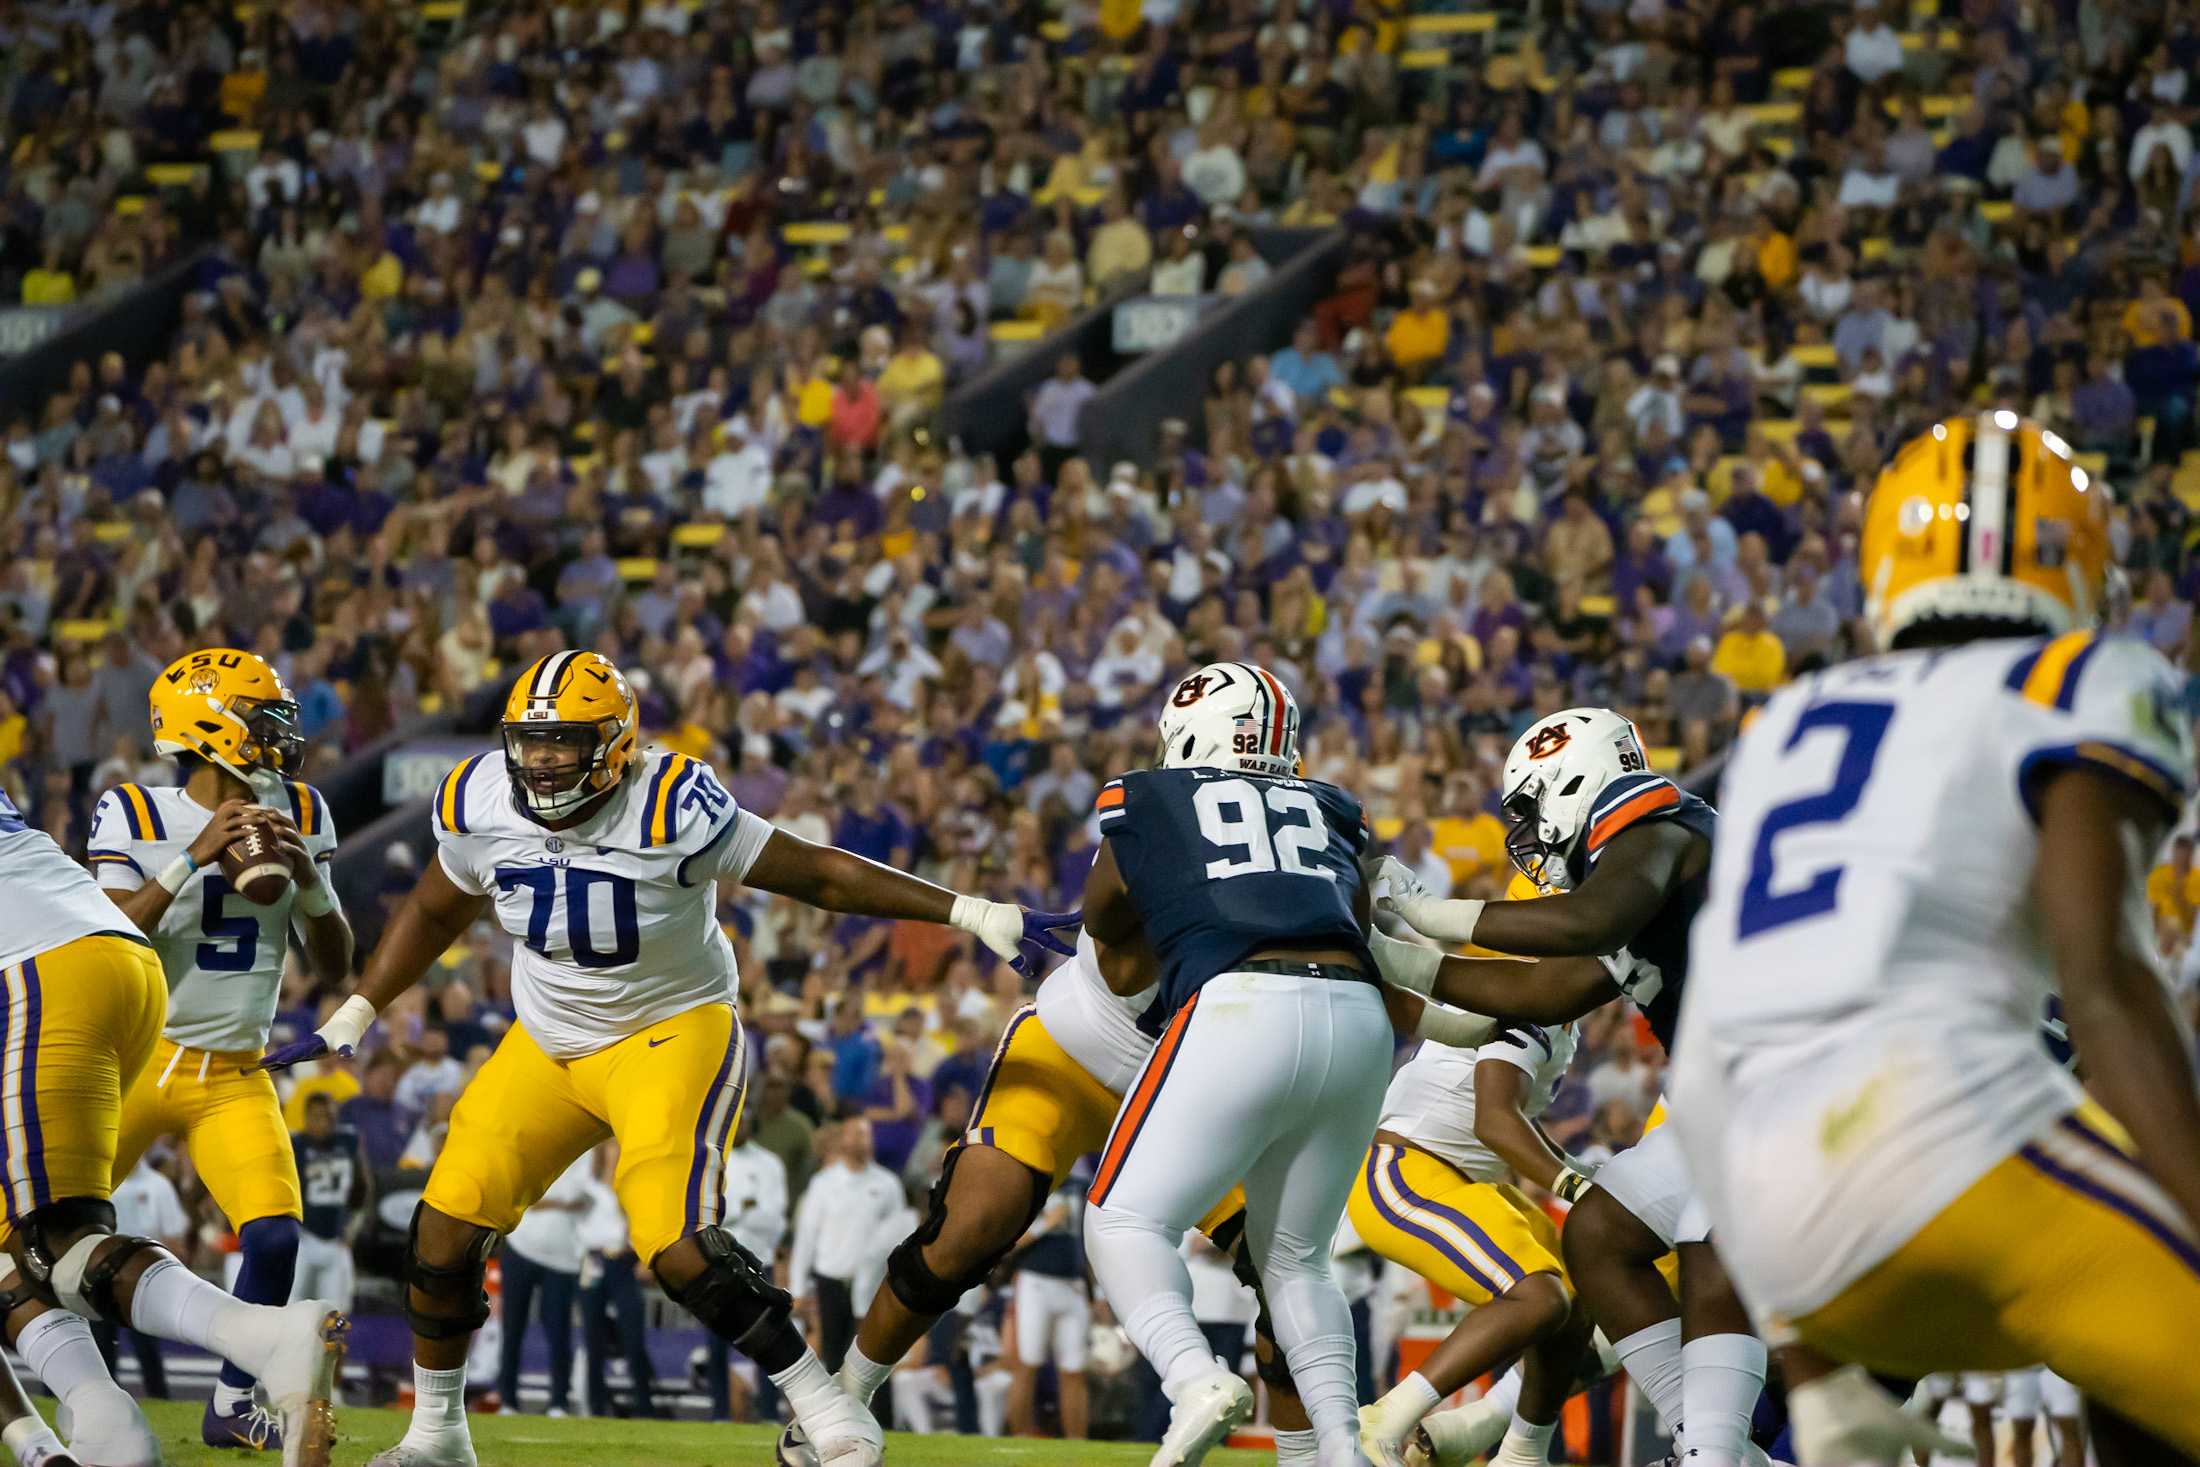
(1134, 1114)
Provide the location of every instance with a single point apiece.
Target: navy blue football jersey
(328, 1171)
(1662, 944)
(1221, 864)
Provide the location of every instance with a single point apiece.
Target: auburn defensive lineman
(231, 725)
(1244, 881)
(81, 1003)
(1059, 1074)
(1928, 843)
(1628, 854)
(602, 865)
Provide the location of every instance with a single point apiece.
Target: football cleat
(1205, 1414)
(251, 1427)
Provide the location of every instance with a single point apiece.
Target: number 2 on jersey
(1862, 727)
(580, 885)
(1233, 816)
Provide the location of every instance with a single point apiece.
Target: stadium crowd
(624, 326)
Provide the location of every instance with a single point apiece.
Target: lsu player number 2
(1862, 727)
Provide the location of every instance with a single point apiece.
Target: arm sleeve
(113, 855)
(2108, 703)
(1526, 1047)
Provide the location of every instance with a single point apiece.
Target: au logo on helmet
(1545, 742)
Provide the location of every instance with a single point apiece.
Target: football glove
(1014, 934)
(339, 1036)
(1398, 890)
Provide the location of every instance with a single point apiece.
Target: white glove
(1640, 980)
(1406, 965)
(999, 925)
(1398, 890)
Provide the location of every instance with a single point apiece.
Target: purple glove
(1039, 929)
(297, 1052)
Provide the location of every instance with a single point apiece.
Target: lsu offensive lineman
(602, 865)
(1928, 843)
(231, 725)
(82, 999)
(1627, 855)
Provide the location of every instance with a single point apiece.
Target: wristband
(177, 872)
(1572, 1183)
(316, 900)
(348, 1025)
(1446, 921)
(1406, 965)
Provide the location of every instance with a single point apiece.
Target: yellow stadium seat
(1429, 399)
(1781, 430)
(817, 232)
(487, 171)
(1792, 79)
(1016, 331)
(1876, 248)
(1827, 394)
(698, 536)
(638, 568)
(128, 204)
(87, 629)
(113, 532)
(1775, 114)
(1996, 211)
(1814, 356)
(1425, 58)
(235, 140)
(1541, 257)
(1478, 23)
(173, 175)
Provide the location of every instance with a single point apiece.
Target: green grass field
(536, 1441)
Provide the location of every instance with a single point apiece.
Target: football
(256, 870)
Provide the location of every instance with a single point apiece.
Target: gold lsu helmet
(1984, 522)
(574, 700)
(229, 708)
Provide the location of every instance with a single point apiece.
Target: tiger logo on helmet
(230, 708)
(568, 702)
(1984, 525)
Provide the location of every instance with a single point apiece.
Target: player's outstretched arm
(1549, 992)
(2097, 834)
(1632, 879)
(841, 881)
(431, 920)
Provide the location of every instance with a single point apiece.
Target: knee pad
(86, 1285)
(733, 1296)
(920, 1288)
(44, 1227)
(458, 1287)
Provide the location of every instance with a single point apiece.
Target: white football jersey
(50, 899)
(222, 954)
(1861, 1031)
(1431, 1099)
(1095, 1026)
(614, 920)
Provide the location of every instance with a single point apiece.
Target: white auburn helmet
(1553, 777)
(1231, 715)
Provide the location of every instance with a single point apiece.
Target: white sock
(59, 1348)
(811, 1390)
(439, 1398)
(861, 1376)
(30, 1441)
(1652, 1359)
(1322, 1368)
(1505, 1395)
(227, 1398)
(1297, 1448)
(1403, 1406)
(1722, 1377)
(173, 1303)
(1526, 1444)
